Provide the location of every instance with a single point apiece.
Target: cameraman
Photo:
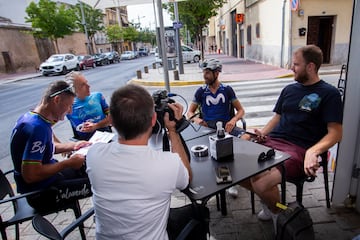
(131, 182)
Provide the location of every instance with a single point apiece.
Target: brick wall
(21, 49)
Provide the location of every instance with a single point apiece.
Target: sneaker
(233, 192)
(264, 214)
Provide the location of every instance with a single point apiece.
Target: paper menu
(103, 137)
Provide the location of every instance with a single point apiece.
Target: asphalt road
(18, 97)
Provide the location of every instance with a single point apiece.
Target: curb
(177, 83)
(20, 78)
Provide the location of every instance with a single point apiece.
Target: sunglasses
(266, 156)
(70, 88)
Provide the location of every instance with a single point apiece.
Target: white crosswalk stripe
(258, 98)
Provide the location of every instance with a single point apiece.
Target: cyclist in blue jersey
(32, 149)
(90, 110)
(216, 100)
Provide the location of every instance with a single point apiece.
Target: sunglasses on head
(70, 88)
(266, 156)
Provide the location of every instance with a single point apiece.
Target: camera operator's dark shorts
(294, 166)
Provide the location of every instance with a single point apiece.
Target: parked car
(136, 54)
(59, 64)
(86, 61)
(188, 55)
(152, 51)
(100, 59)
(113, 56)
(143, 52)
(127, 55)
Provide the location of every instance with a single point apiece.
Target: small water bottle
(220, 132)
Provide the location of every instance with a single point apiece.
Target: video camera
(161, 100)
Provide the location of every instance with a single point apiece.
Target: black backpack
(191, 220)
(294, 223)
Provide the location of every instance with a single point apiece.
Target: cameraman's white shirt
(132, 187)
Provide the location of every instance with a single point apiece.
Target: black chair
(22, 211)
(299, 183)
(342, 80)
(46, 229)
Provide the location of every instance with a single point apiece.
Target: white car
(189, 55)
(59, 64)
(127, 55)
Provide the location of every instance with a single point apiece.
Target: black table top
(243, 165)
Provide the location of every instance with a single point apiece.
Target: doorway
(320, 33)
(241, 43)
(234, 52)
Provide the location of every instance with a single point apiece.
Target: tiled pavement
(334, 223)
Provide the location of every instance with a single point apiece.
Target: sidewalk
(233, 70)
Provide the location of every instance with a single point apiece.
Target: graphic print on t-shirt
(211, 100)
(309, 102)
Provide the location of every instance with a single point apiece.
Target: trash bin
(171, 63)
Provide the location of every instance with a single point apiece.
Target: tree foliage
(50, 20)
(195, 14)
(93, 19)
(114, 33)
(130, 34)
(147, 36)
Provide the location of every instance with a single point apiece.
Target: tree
(115, 34)
(50, 20)
(195, 14)
(93, 20)
(147, 36)
(131, 35)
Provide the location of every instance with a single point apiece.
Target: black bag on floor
(191, 220)
(294, 223)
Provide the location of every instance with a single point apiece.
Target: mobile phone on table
(222, 174)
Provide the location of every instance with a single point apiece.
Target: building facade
(269, 31)
(20, 51)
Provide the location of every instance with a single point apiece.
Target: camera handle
(166, 144)
(181, 124)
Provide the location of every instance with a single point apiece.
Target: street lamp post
(83, 22)
(162, 36)
(178, 42)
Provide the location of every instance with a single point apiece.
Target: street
(18, 97)
(257, 97)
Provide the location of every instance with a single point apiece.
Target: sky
(145, 13)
